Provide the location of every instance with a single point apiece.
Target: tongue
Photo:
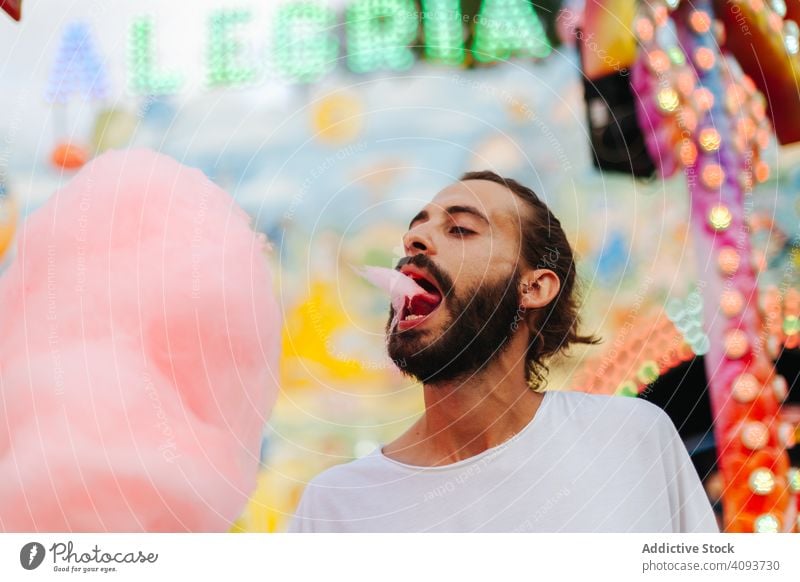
(422, 304)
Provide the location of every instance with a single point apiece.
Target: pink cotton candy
(138, 357)
(397, 285)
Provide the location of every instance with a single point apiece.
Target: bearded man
(494, 450)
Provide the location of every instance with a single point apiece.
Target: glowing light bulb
(755, 435)
(745, 388)
(766, 523)
(668, 100)
(761, 481)
(720, 217)
(710, 140)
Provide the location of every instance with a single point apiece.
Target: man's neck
(467, 416)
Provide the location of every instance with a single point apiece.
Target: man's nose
(416, 241)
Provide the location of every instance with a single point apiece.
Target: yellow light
(668, 100)
(766, 523)
(761, 481)
(709, 140)
(794, 479)
(720, 217)
(712, 175)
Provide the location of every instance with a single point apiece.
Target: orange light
(659, 61)
(757, 5)
(687, 152)
(735, 97)
(731, 302)
(688, 119)
(736, 344)
(758, 108)
(704, 57)
(762, 171)
(660, 15)
(644, 29)
(763, 138)
(700, 21)
(686, 83)
(746, 180)
(713, 176)
(746, 388)
(719, 32)
(747, 128)
(728, 261)
(704, 99)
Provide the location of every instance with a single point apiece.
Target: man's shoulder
(347, 475)
(583, 407)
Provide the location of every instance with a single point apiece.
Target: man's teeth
(412, 317)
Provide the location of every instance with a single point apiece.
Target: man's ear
(539, 288)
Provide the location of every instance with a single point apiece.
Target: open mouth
(420, 307)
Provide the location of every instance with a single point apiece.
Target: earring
(526, 286)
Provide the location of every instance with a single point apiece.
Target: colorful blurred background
(331, 142)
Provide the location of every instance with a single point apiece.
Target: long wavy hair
(553, 328)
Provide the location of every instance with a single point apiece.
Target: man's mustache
(443, 280)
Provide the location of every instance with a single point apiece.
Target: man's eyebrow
(457, 209)
(467, 210)
(421, 215)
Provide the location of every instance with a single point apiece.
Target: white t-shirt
(585, 463)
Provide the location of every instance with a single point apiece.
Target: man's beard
(481, 321)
